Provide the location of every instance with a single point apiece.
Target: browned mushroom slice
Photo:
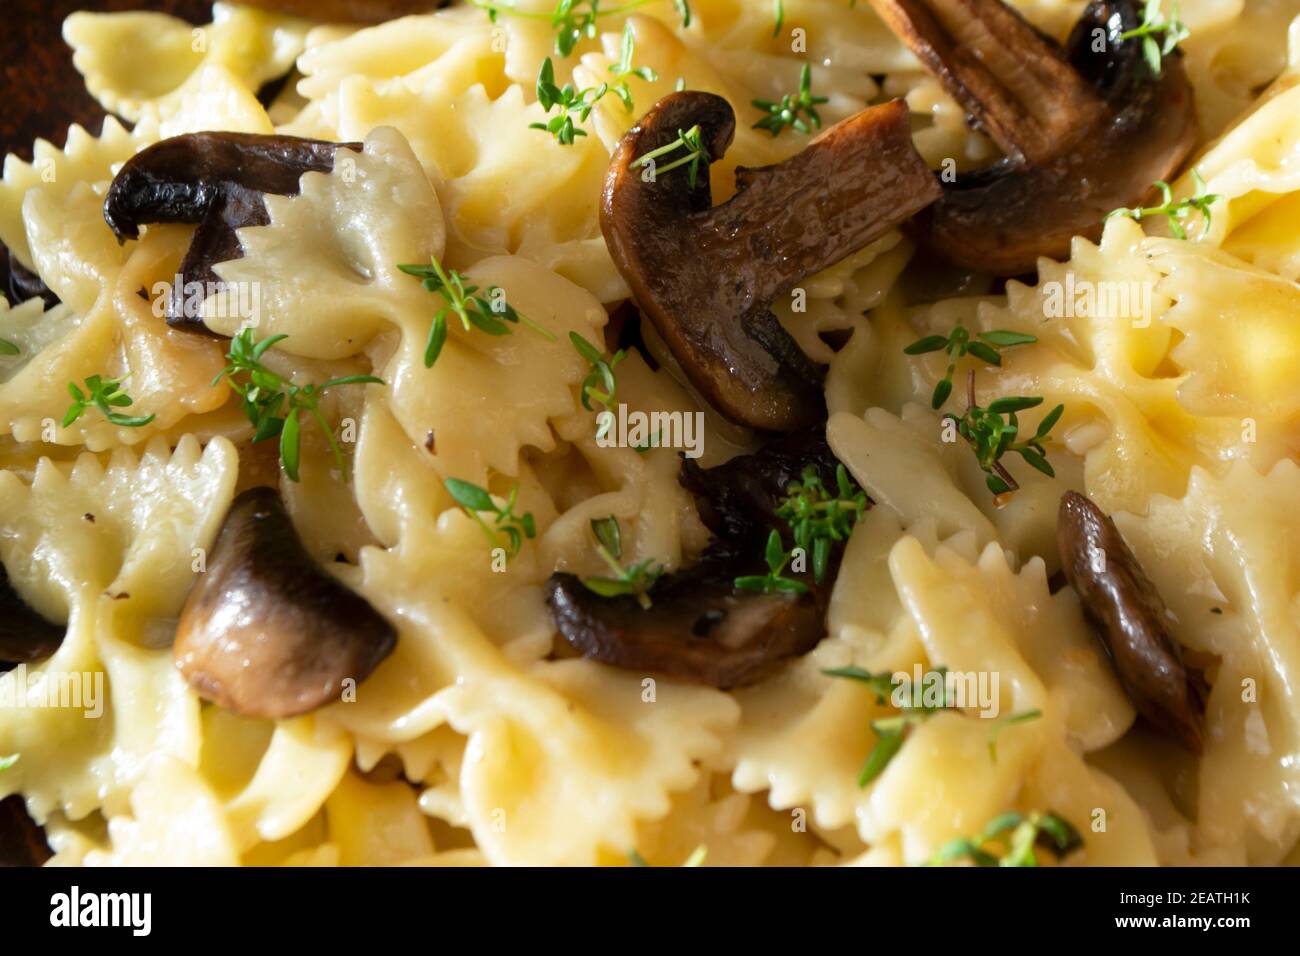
(349, 11)
(22, 839)
(707, 276)
(215, 181)
(1131, 620)
(700, 628)
(266, 632)
(1068, 162)
(20, 284)
(25, 636)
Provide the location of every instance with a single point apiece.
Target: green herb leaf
(103, 394)
(796, 110)
(7, 762)
(477, 502)
(819, 517)
(695, 156)
(636, 580)
(8, 348)
(1177, 213)
(1015, 835)
(1172, 32)
(957, 344)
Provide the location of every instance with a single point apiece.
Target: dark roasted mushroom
(1131, 620)
(700, 628)
(349, 11)
(22, 839)
(706, 276)
(25, 636)
(1085, 130)
(266, 632)
(20, 283)
(215, 181)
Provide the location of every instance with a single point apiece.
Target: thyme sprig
(695, 155)
(477, 502)
(601, 385)
(958, 343)
(104, 394)
(774, 582)
(572, 20)
(796, 110)
(7, 762)
(571, 102)
(991, 436)
(8, 348)
(635, 580)
(1176, 212)
(623, 70)
(1014, 836)
(890, 731)
(1153, 25)
(273, 405)
(488, 313)
(819, 517)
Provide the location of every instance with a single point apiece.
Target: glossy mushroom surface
(700, 627)
(1086, 129)
(706, 276)
(215, 181)
(1130, 619)
(266, 632)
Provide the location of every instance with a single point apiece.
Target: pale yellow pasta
(482, 739)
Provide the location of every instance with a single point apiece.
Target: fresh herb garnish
(958, 343)
(1176, 212)
(489, 314)
(600, 385)
(7, 347)
(570, 100)
(695, 154)
(635, 580)
(104, 394)
(1008, 721)
(273, 405)
(1015, 835)
(623, 70)
(696, 858)
(574, 19)
(890, 731)
(7, 762)
(773, 582)
(797, 110)
(476, 501)
(1154, 23)
(819, 518)
(992, 436)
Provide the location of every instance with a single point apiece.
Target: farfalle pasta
(449, 453)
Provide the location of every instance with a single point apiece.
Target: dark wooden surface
(41, 93)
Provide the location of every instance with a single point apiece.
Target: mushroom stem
(707, 276)
(1015, 81)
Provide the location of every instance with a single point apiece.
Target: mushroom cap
(1131, 620)
(266, 632)
(707, 276)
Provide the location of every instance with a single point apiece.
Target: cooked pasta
(482, 738)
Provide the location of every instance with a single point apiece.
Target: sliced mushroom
(700, 628)
(21, 284)
(707, 276)
(215, 181)
(22, 839)
(349, 11)
(1131, 620)
(25, 636)
(1085, 130)
(268, 633)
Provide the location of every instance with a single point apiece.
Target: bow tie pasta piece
(112, 550)
(56, 175)
(144, 64)
(166, 373)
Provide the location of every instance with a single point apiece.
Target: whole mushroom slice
(706, 276)
(266, 632)
(1131, 620)
(1086, 130)
(215, 181)
(700, 628)
(25, 636)
(349, 11)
